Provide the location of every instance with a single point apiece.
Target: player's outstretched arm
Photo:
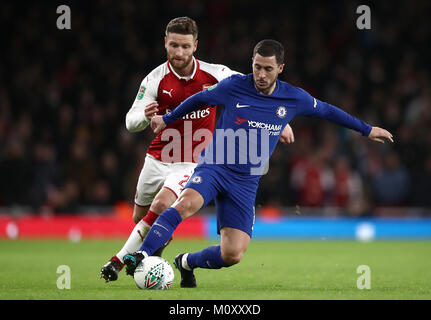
(380, 135)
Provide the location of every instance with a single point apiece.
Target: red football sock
(150, 217)
(115, 258)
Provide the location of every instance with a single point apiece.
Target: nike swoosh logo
(157, 224)
(242, 105)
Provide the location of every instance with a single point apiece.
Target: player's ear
(196, 45)
(280, 68)
(166, 42)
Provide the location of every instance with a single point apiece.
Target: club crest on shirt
(281, 111)
(196, 179)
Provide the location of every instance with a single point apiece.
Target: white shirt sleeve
(135, 117)
(225, 72)
(218, 71)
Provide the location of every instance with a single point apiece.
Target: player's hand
(380, 135)
(157, 124)
(287, 135)
(151, 109)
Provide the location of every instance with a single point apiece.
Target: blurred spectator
(270, 211)
(45, 173)
(392, 184)
(347, 185)
(421, 189)
(312, 180)
(15, 173)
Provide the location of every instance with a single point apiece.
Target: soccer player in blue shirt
(256, 109)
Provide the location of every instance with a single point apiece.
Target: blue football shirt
(250, 123)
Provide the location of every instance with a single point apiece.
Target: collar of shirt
(187, 78)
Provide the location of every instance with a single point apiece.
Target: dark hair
(183, 25)
(269, 48)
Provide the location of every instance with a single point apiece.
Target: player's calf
(139, 212)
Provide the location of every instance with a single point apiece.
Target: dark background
(64, 95)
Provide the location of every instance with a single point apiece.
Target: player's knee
(159, 205)
(185, 207)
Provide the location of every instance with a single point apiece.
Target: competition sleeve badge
(141, 93)
(209, 88)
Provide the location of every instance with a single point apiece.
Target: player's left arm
(313, 107)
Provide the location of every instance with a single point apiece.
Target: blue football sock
(161, 231)
(208, 258)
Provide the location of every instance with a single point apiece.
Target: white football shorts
(156, 175)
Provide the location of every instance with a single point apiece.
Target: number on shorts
(181, 183)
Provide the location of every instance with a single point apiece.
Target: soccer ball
(154, 273)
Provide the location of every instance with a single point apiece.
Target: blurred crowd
(64, 95)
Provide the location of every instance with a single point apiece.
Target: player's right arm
(144, 107)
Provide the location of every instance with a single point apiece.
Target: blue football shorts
(234, 195)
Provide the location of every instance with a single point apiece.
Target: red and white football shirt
(169, 89)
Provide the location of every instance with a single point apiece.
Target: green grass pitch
(270, 270)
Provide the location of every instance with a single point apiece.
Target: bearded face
(180, 49)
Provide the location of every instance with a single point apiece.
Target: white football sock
(184, 262)
(135, 239)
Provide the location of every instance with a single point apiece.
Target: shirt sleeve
(209, 97)
(135, 117)
(310, 106)
(225, 72)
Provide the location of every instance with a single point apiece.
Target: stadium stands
(64, 95)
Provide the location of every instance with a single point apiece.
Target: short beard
(184, 65)
(266, 89)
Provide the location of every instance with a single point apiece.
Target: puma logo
(168, 92)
